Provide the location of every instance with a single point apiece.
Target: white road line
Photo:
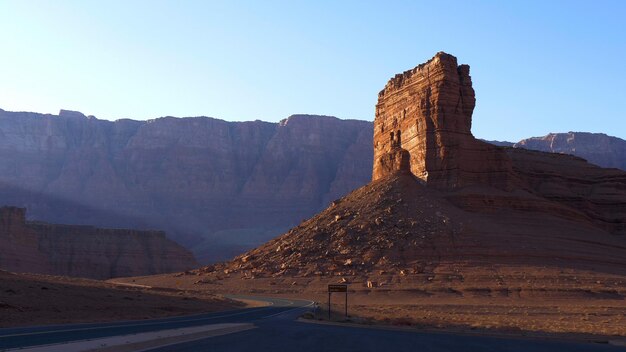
(132, 325)
(152, 339)
(289, 310)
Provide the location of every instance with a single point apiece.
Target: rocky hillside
(216, 187)
(85, 251)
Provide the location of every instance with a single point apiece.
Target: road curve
(283, 333)
(53, 334)
(278, 330)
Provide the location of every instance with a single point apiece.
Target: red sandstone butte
(441, 200)
(428, 110)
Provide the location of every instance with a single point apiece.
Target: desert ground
(31, 299)
(522, 301)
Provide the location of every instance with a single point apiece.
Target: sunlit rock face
(429, 110)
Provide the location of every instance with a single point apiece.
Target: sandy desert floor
(526, 301)
(30, 299)
(522, 301)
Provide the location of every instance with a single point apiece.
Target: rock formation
(442, 202)
(399, 226)
(428, 110)
(85, 251)
(216, 187)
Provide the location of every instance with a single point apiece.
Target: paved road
(277, 331)
(42, 335)
(282, 333)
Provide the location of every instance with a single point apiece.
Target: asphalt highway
(278, 330)
(52, 334)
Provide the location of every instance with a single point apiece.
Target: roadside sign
(337, 288)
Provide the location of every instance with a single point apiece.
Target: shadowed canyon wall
(85, 251)
(216, 187)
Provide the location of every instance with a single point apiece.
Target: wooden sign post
(337, 288)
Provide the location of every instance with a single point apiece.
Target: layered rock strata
(217, 187)
(428, 110)
(85, 251)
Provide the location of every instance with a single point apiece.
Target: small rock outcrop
(395, 160)
(85, 251)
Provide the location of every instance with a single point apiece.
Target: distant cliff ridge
(85, 251)
(216, 187)
(596, 148)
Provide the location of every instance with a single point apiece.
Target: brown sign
(337, 288)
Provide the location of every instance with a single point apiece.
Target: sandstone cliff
(85, 251)
(428, 111)
(216, 187)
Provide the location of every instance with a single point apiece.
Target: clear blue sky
(537, 66)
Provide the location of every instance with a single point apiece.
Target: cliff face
(428, 111)
(597, 148)
(216, 187)
(85, 251)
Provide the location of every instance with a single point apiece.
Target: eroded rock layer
(429, 111)
(217, 187)
(85, 251)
